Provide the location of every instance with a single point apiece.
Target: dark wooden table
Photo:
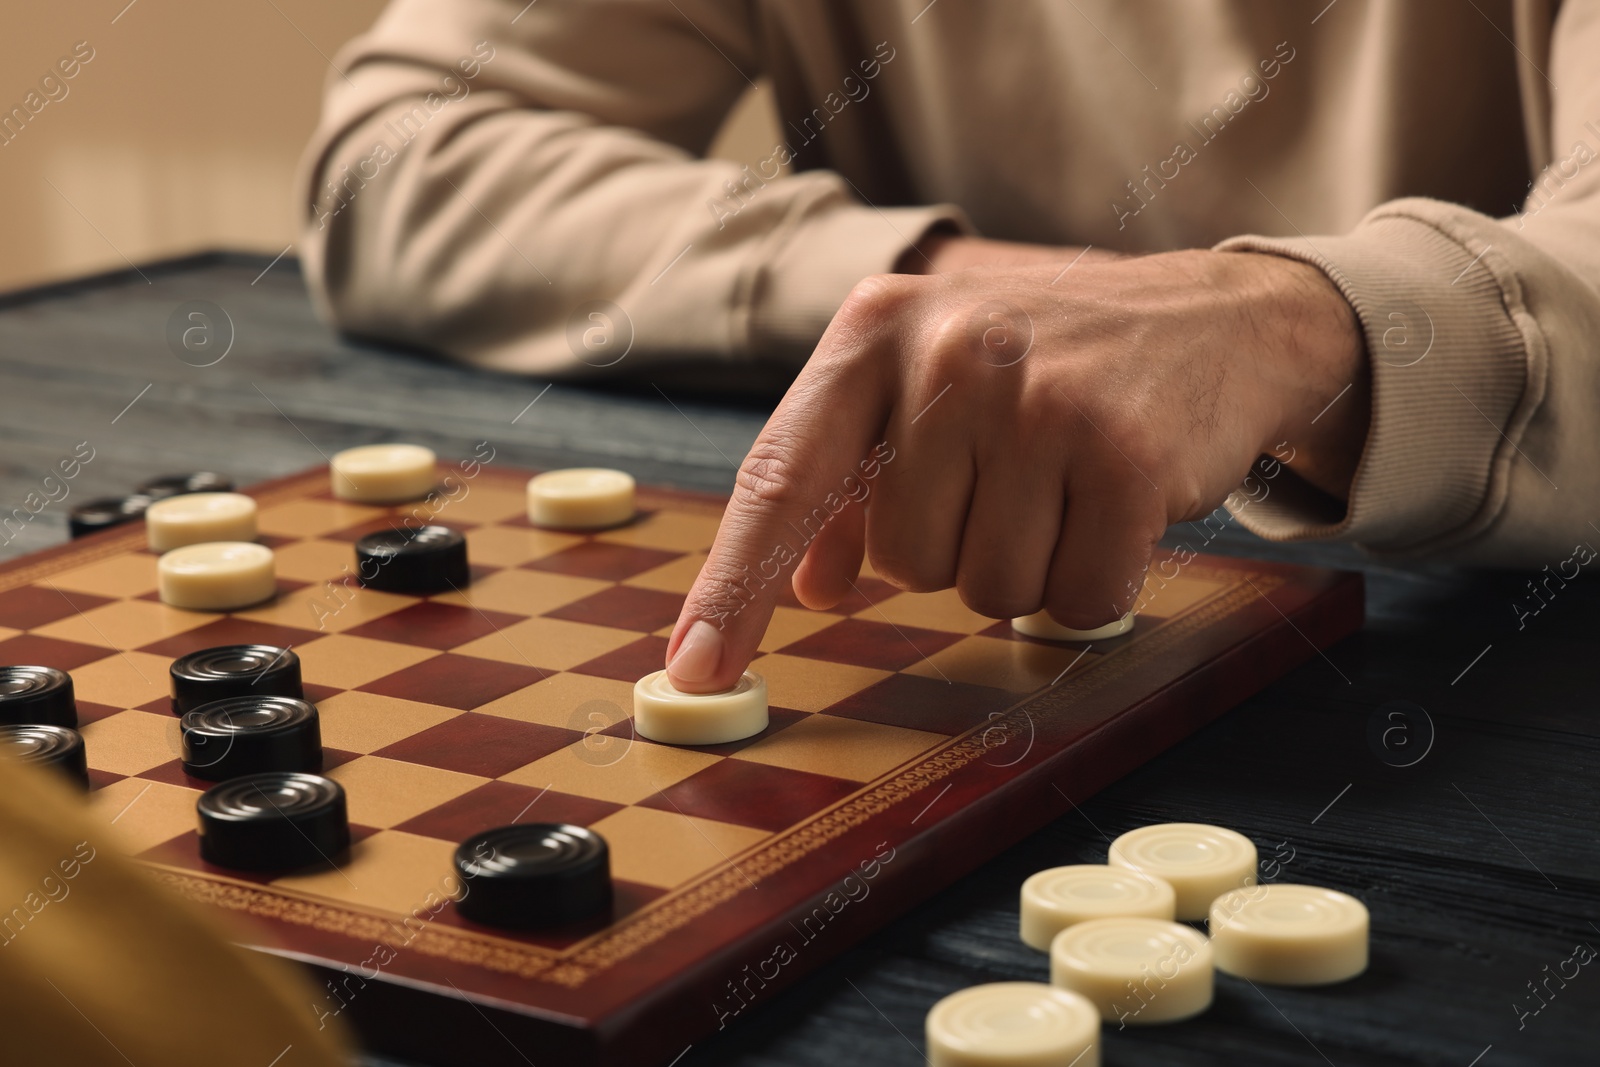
(1480, 859)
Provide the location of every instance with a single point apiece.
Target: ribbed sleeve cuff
(817, 257)
(1449, 368)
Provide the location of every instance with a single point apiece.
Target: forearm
(479, 186)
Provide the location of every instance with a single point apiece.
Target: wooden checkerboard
(910, 740)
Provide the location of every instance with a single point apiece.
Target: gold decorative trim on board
(679, 907)
(459, 946)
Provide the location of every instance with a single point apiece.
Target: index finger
(821, 431)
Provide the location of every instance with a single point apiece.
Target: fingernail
(700, 654)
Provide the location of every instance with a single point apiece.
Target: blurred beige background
(182, 132)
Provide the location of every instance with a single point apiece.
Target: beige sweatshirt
(523, 184)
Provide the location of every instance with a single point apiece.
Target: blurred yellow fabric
(100, 965)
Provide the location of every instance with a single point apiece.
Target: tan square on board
(671, 531)
(125, 624)
(313, 518)
(552, 643)
(332, 607)
(141, 814)
(675, 577)
(383, 792)
(390, 871)
(811, 685)
(1164, 598)
(624, 776)
(931, 611)
(841, 747)
(314, 560)
(366, 722)
(123, 680)
(666, 848)
(131, 742)
(567, 700)
(524, 592)
(346, 661)
(509, 546)
(480, 503)
(1016, 666)
(128, 575)
(789, 625)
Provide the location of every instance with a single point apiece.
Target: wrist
(1314, 360)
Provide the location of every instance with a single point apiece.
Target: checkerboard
(911, 739)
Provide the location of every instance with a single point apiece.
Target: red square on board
(602, 560)
(625, 608)
(486, 745)
(38, 651)
(863, 643)
(501, 804)
(230, 631)
(28, 606)
(751, 794)
(924, 704)
(435, 625)
(630, 662)
(452, 681)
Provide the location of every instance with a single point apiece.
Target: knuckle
(724, 590)
(770, 476)
(950, 343)
(908, 573)
(875, 295)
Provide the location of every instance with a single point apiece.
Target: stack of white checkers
(1117, 955)
(209, 558)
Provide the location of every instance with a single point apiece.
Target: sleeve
(520, 186)
(99, 964)
(1484, 342)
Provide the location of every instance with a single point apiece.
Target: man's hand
(1026, 437)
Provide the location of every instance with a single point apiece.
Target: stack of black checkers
(38, 713)
(416, 559)
(533, 875)
(95, 515)
(246, 724)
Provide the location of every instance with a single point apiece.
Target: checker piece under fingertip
(662, 712)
